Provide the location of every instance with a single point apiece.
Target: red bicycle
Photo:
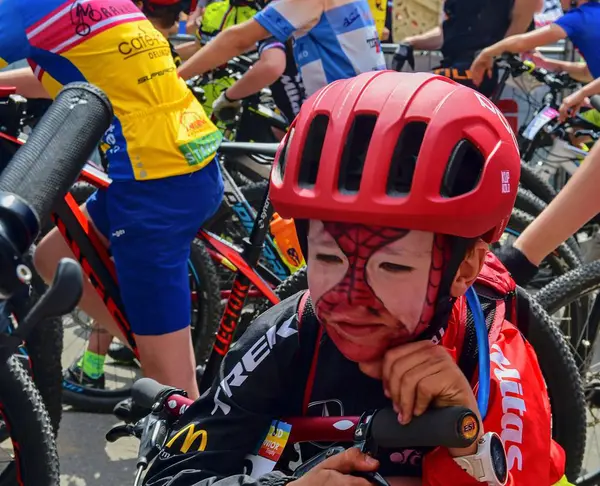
(252, 278)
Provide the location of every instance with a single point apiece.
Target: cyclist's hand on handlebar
(419, 374)
(482, 66)
(335, 471)
(572, 104)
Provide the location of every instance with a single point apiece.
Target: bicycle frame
(100, 269)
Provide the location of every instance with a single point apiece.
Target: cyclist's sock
(92, 364)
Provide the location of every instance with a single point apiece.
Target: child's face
(373, 287)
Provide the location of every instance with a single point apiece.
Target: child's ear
(469, 269)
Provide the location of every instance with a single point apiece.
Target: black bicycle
(37, 176)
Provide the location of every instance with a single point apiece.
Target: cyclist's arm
(575, 205)
(519, 412)
(227, 44)
(522, 16)
(25, 81)
(265, 72)
(577, 70)
(187, 49)
(549, 34)
(431, 40)
(278, 19)
(226, 424)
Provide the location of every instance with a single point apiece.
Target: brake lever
(587, 133)
(119, 431)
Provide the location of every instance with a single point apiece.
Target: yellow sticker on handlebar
(469, 427)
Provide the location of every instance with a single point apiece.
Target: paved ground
(86, 458)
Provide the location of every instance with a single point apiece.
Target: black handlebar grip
(447, 427)
(43, 170)
(146, 391)
(595, 102)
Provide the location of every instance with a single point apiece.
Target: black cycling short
(462, 75)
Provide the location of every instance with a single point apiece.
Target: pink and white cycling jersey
(333, 39)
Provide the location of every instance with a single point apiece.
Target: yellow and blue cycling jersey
(159, 130)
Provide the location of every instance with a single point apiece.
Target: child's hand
(482, 66)
(420, 374)
(572, 104)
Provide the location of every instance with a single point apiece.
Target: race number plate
(542, 118)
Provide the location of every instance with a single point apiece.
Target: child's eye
(395, 268)
(325, 258)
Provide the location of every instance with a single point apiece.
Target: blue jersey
(582, 26)
(333, 39)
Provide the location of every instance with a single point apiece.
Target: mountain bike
(165, 404)
(206, 300)
(99, 268)
(29, 185)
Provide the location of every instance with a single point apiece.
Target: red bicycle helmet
(404, 150)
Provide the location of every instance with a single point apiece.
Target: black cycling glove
(404, 53)
(520, 268)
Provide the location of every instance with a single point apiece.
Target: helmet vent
(311, 155)
(464, 170)
(355, 153)
(283, 156)
(404, 158)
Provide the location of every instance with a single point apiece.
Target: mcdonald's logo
(190, 439)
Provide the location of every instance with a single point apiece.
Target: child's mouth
(357, 330)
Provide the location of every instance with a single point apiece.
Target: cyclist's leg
(153, 224)
(49, 251)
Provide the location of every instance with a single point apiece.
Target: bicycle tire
(569, 289)
(207, 308)
(27, 418)
(295, 283)
(532, 181)
(529, 203)
(565, 387)
(561, 260)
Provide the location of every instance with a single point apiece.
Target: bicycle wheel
(557, 263)
(571, 291)
(565, 387)
(533, 182)
(35, 461)
(206, 310)
(529, 203)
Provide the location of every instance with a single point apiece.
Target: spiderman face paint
(373, 287)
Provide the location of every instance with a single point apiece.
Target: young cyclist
(165, 182)
(333, 39)
(397, 183)
(580, 23)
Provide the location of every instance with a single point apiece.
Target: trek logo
(193, 438)
(513, 406)
(249, 362)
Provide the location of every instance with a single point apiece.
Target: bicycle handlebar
(447, 427)
(43, 170)
(518, 67)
